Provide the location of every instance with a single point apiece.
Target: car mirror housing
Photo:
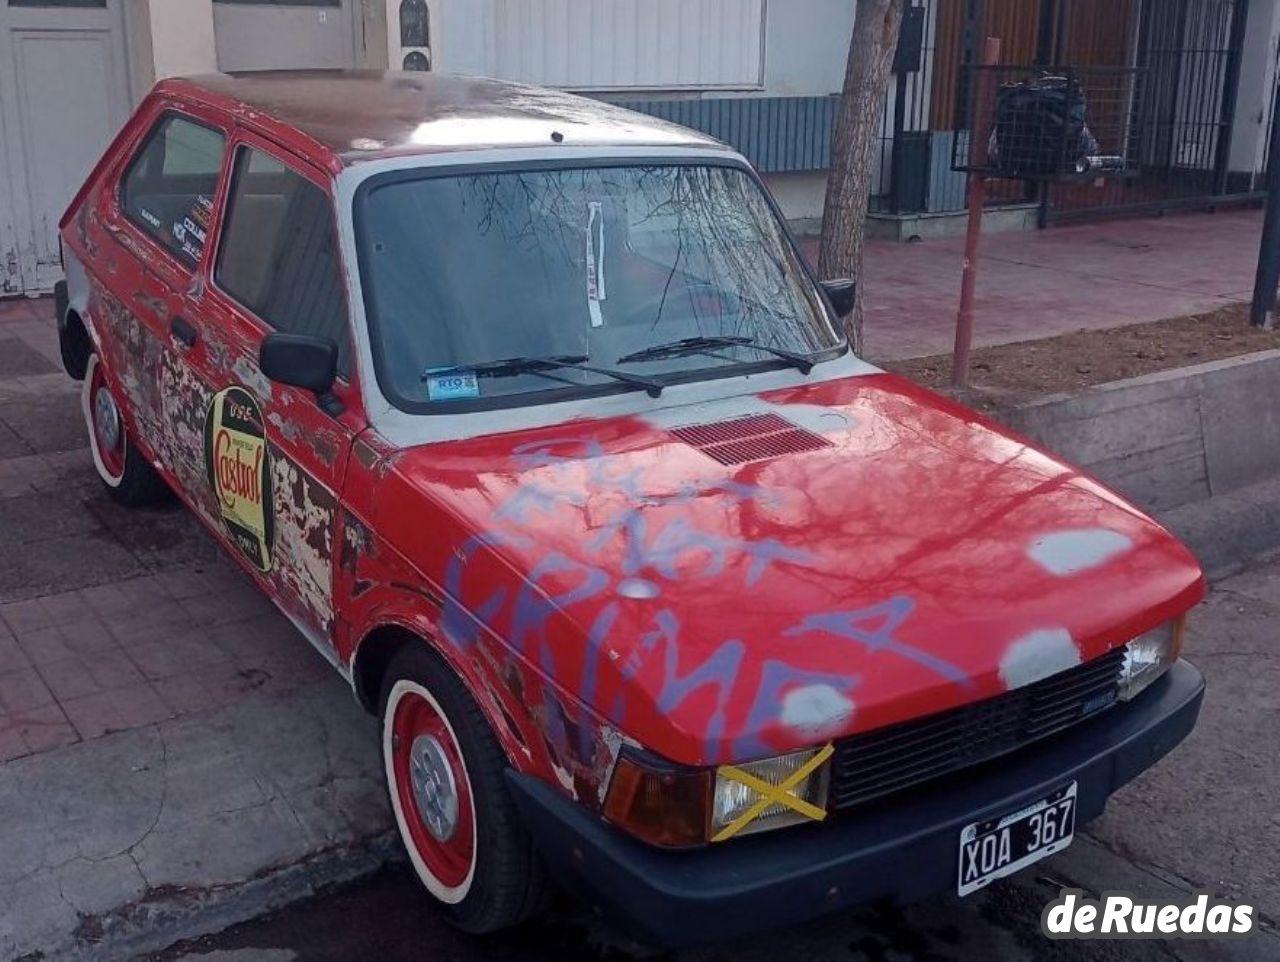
(843, 295)
(300, 360)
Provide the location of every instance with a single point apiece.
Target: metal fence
(1180, 63)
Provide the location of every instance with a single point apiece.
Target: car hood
(743, 577)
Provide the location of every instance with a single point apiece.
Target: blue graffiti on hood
(873, 628)
(578, 473)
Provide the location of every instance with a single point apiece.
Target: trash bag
(1040, 129)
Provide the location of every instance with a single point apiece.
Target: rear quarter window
(169, 187)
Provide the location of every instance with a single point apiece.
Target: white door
(63, 95)
(300, 34)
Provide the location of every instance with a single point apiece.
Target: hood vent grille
(756, 437)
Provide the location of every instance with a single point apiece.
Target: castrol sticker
(238, 465)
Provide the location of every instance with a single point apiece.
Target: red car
(527, 412)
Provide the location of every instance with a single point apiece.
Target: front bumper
(901, 851)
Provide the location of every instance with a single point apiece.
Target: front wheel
(445, 775)
(125, 472)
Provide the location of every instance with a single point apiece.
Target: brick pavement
(110, 618)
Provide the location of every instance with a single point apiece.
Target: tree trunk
(875, 38)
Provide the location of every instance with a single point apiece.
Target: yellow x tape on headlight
(771, 794)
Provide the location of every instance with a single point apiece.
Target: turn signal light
(661, 806)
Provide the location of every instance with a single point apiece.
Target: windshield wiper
(708, 345)
(511, 366)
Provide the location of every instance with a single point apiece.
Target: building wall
(645, 51)
(168, 38)
(1257, 87)
(807, 47)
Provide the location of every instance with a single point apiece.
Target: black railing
(1160, 82)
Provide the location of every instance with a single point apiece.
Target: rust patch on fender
(304, 518)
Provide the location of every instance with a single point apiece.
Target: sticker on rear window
(454, 386)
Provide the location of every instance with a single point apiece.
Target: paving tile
(78, 677)
(24, 616)
(138, 611)
(46, 423)
(23, 690)
(12, 744)
(11, 443)
(18, 358)
(12, 657)
(185, 583)
(117, 710)
(68, 471)
(88, 638)
(174, 656)
(45, 646)
(45, 728)
(228, 681)
(189, 693)
(67, 609)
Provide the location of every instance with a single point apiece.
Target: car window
(279, 253)
(169, 187)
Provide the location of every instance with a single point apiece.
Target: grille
(891, 759)
(752, 438)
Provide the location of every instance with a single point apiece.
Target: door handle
(183, 332)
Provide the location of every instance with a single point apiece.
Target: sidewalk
(1038, 284)
(170, 748)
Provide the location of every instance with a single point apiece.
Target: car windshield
(595, 266)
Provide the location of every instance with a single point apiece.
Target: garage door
(63, 95)
(268, 35)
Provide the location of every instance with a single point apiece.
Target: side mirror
(843, 295)
(300, 360)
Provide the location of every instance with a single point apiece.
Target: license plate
(1001, 846)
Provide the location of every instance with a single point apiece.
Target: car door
(147, 284)
(275, 455)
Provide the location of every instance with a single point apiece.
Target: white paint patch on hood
(1065, 553)
(1037, 655)
(816, 710)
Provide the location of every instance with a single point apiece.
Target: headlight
(672, 806)
(743, 790)
(1149, 656)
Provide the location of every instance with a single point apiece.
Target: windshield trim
(552, 395)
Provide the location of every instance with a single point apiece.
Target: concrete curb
(163, 918)
(1170, 438)
(1199, 447)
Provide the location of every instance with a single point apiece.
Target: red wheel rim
(106, 424)
(418, 729)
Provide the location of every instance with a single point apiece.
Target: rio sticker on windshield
(453, 386)
(239, 468)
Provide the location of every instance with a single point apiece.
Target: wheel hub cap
(434, 788)
(107, 418)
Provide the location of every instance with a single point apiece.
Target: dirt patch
(1011, 373)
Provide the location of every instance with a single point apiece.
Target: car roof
(357, 115)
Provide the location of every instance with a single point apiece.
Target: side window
(279, 254)
(169, 187)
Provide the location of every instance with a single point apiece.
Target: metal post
(1262, 313)
(980, 132)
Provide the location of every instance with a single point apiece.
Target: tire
(125, 472)
(479, 864)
